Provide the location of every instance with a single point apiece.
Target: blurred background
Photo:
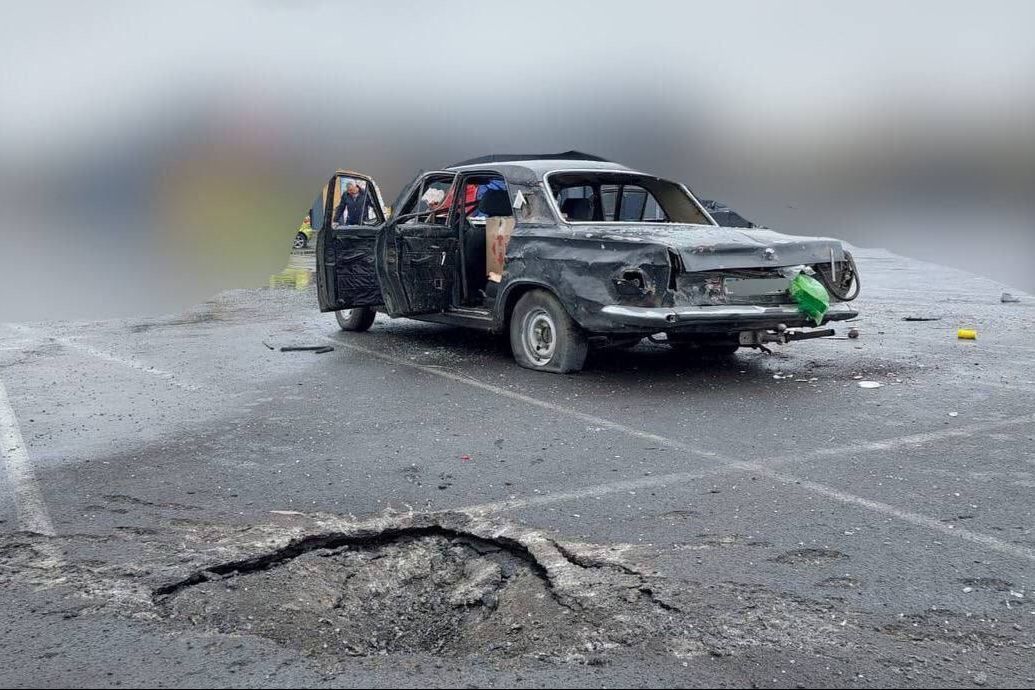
(152, 154)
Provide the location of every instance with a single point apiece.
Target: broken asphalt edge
(561, 565)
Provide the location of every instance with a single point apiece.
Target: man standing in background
(352, 208)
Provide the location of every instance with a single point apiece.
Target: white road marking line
(169, 377)
(527, 399)
(919, 439)
(1003, 385)
(596, 491)
(28, 500)
(915, 519)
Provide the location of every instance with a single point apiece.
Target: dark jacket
(353, 208)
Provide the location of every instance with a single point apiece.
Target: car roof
(540, 164)
(512, 157)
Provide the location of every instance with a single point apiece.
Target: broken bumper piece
(722, 317)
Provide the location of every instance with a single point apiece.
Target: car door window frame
(370, 188)
(420, 186)
(459, 214)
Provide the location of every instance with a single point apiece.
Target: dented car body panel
(581, 231)
(586, 268)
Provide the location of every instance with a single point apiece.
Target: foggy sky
(143, 143)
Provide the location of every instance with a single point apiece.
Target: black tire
(301, 241)
(359, 319)
(543, 337)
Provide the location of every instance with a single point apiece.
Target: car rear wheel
(301, 241)
(543, 336)
(358, 319)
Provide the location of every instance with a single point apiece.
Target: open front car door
(353, 214)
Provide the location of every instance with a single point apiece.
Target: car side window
(612, 199)
(353, 203)
(484, 195)
(578, 202)
(634, 200)
(629, 204)
(429, 202)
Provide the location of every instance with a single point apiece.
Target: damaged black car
(570, 251)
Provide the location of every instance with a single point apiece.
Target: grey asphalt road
(836, 535)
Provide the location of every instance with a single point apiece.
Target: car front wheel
(358, 319)
(301, 241)
(544, 337)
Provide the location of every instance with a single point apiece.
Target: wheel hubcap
(540, 336)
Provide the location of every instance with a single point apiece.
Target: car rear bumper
(718, 318)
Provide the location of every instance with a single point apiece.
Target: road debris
(315, 349)
(922, 318)
(870, 384)
(1009, 298)
(966, 334)
(810, 295)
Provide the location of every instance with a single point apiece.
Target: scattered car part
(843, 284)
(782, 337)
(316, 349)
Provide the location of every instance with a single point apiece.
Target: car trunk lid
(710, 248)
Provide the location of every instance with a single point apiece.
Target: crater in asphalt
(435, 593)
(455, 587)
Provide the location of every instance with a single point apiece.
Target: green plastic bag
(811, 297)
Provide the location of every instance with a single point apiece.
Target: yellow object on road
(967, 334)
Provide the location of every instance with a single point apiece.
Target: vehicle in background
(568, 251)
(726, 216)
(305, 233)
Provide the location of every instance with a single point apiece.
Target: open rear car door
(346, 276)
(418, 253)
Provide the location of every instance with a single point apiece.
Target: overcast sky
(83, 63)
(796, 112)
